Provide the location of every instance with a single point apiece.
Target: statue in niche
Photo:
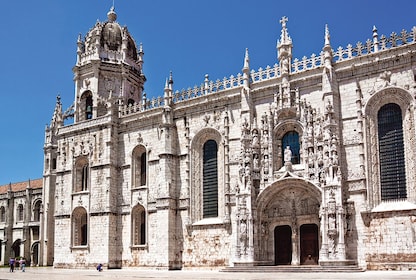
(265, 137)
(311, 158)
(255, 142)
(243, 234)
(247, 156)
(266, 164)
(288, 154)
(264, 230)
(332, 214)
(256, 162)
(320, 158)
(247, 171)
(244, 127)
(335, 158)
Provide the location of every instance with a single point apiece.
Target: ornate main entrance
(289, 223)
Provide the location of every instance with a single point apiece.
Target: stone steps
(293, 268)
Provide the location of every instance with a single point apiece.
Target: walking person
(100, 267)
(23, 264)
(11, 264)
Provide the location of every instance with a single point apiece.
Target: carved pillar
(341, 234)
(323, 253)
(295, 235)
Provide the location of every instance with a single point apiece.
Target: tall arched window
(210, 179)
(20, 212)
(79, 227)
(81, 175)
(391, 152)
(2, 214)
(291, 139)
(36, 211)
(139, 170)
(138, 217)
(88, 107)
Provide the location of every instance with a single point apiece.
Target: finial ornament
(284, 36)
(246, 60)
(283, 21)
(111, 15)
(327, 36)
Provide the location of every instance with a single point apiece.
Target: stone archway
(15, 252)
(289, 205)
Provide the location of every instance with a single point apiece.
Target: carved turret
(285, 98)
(109, 65)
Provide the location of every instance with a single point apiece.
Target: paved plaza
(126, 274)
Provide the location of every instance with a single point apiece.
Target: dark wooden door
(309, 251)
(283, 245)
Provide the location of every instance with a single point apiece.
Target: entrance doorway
(283, 245)
(35, 255)
(16, 249)
(309, 251)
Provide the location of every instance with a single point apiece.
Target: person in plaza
(100, 267)
(11, 264)
(22, 263)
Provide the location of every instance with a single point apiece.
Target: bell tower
(109, 68)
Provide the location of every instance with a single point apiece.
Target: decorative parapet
(84, 125)
(376, 45)
(313, 62)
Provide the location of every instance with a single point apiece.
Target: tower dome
(109, 65)
(111, 37)
(111, 34)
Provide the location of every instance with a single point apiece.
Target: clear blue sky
(189, 37)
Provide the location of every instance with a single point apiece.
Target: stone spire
(327, 50)
(246, 70)
(168, 91)
(284, 48)
(375, 39)
(57, 118)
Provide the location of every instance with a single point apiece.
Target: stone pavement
(135, 274)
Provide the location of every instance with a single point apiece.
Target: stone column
(295, 247)
(341, 233)
(323, 252)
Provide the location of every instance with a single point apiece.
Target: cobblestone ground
(126, 274)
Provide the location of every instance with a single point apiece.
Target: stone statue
(288, 154)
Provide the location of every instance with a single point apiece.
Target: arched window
(88, 107)
(2, 214)
(20, 212)
(36, 211)
(210, 180)
(391, 152)
(130, 102)
(291, 139)
(138, 218)
(79, 227)
(81, 175)
(139, 170)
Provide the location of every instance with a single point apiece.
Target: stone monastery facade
(308, 161)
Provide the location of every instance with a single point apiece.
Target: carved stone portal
(294, 206)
